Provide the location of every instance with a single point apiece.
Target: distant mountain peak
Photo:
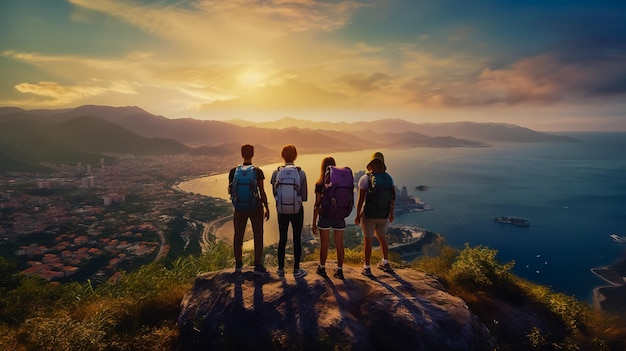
(117, 109)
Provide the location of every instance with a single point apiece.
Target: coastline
(612, 297)
(458, 185)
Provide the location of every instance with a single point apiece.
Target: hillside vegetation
(140, 311)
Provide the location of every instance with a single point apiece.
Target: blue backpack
(380, 194)
(244, 192)
(338, 196)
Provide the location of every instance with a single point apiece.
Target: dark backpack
(338, 196)
(244, 192)
(286, 190)
(380, 194)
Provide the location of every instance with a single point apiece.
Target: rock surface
(404, 310)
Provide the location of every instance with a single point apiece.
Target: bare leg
(324, 242)
(338, 234)
(367, 247)
(383, 244)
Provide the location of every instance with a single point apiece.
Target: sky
(550, 65)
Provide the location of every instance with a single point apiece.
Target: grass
(141, 310)
(488, 287)
(138, 313)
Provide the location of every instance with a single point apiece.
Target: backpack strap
(370, 186)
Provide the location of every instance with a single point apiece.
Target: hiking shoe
(367, 272)
(321, 270)
(339, 274)
(385, 267)
(260, 270)
(299, 273)
(238, 267)
(280, 272)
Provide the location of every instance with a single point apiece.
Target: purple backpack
(338, 196)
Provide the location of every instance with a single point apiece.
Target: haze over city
(545, 65)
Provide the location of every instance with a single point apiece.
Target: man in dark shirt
(256, 216)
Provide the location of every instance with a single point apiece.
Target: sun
(251, 78)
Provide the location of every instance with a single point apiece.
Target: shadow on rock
(406, 310)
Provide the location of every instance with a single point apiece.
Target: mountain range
(485, 132)
(85, 133)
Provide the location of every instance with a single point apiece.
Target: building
(114, 198)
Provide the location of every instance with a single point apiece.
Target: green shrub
(478, 267)
(438, 264)
(33, 296)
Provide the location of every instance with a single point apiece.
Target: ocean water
(573, 194)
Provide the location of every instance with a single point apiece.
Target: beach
(610, 298)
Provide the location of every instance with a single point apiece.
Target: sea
(572, 193)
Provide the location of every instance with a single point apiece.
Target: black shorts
(329, 223)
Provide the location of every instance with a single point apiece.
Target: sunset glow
(251, 78)
(547, 66)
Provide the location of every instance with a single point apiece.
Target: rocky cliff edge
(403, 310)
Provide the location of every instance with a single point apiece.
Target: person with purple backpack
(334, 200)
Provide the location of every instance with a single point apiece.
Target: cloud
(58, 95)
(365, 48)
(540, 79)
(361, 84)
(545, 78)
(309, 15)
(291, 94)
(220, 24)
(80, 67)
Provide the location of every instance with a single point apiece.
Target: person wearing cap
(374, 209)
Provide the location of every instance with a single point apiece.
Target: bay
(573, 194)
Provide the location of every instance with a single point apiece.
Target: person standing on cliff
(245, 186)
(375, 207)
(289, 186)
(324, 224)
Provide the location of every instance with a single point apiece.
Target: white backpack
(286, 190)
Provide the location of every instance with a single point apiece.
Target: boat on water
(512, 220)
(618, 238)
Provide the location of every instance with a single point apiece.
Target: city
(93, 222)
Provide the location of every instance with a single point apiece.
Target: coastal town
(93, 222)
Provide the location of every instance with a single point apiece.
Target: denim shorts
(328, 223)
